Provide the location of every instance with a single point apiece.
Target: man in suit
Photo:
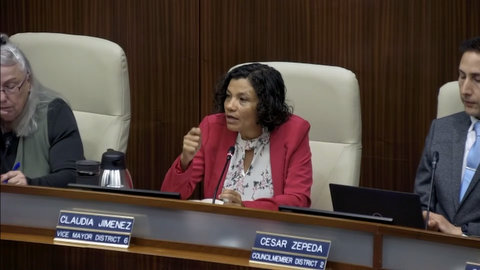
(455, 209)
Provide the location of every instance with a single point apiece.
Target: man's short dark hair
(472, 44)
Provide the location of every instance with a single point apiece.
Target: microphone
(230, 152)
(432, 184)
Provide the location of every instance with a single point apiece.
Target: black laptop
(404, 208)
(335, 214)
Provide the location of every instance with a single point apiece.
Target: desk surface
(223, 234)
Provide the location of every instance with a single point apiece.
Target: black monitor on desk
(137, 192)
(403, 207)
(335, 214)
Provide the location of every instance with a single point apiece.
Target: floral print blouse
(256, 182)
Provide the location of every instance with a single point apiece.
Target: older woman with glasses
(40, 141)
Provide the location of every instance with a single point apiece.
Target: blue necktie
(473, 159)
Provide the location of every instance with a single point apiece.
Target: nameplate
(290, 251)
(472, 266)
(93, 228)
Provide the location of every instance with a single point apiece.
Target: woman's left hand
(14, 177)
(231, 197)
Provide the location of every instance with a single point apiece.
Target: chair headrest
(86, 70)
(449, 101)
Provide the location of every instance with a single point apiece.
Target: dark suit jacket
(447, 136)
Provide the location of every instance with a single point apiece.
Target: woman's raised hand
(191, 144)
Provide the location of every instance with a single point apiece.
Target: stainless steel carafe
(113, 171)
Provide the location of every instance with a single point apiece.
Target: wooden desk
(174, 234)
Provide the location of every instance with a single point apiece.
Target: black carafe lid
(113, 160)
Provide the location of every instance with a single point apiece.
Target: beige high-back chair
(328, 97)
(449, 101)
(92, 75)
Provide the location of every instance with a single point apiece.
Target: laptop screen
(404, 208)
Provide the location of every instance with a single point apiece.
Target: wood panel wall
(402, 51)
(161, 41)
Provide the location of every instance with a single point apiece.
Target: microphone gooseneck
(230, 152)
(432, 184)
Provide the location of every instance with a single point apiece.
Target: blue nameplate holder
(93, 228)
(472, 266)
(290, 251)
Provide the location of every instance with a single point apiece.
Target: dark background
(402, 51)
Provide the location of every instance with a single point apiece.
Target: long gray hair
(26, 122)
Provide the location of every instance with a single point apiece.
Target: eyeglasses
(13, 90)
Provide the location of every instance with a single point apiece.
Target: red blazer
(290, 159)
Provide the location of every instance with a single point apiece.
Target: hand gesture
(191, 144)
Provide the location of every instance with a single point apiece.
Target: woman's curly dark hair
(272, 110)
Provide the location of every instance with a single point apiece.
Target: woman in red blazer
(271, 164)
